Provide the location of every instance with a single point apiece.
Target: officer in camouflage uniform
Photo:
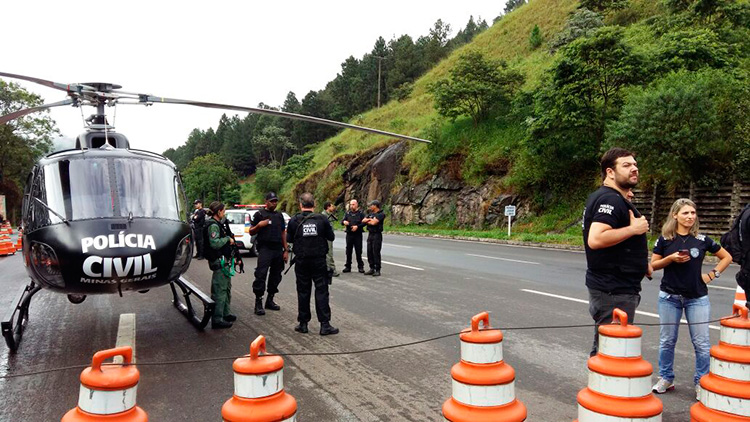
(329, 212)
(217, 253)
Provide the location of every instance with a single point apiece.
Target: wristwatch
(717, 274)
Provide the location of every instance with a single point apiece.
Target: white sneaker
(698, 390)
(662, 386)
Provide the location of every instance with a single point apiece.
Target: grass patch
(498, 234)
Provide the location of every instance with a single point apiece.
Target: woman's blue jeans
(670, 312)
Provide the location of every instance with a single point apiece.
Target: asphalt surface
(429, 288)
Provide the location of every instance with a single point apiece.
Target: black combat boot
(270, 304)
(301, 328)
(327, 329)
(259, 306)
(230, 318)
(370, 272)
(220, 324)
(376, 273)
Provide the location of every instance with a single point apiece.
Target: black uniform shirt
(199, 218)
(620, 268)
(685, 279)
(354, 219)
(271, 235)
(310, 234)
(377, 228)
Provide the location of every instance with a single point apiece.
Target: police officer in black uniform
(270, 228)
(353, 222)
(198, 221)
(309, 233)
(374, 222)
(614, 235)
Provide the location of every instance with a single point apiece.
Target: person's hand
(706, 278)
(346, 223)
(231, 240)
(354, 228)
(680, 259)
(285, 255)
(638, 225)
(264, 223)
(650, 271)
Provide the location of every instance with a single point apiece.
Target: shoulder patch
(656, 243)
(701, 237)
(606, 209)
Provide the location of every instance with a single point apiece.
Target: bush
(268, 179)
(535, 39)
(582, 23)
(403, 91)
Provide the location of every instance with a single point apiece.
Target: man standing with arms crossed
(614, 235)
(353, 222)
(270, 227)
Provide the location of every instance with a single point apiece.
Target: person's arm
(214, 239)
(345, 220)
(602, 235)
(284, 242)
(725, 258)
(329, 234)
(658, 262)
(257, 224)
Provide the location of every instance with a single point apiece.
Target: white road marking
(402, 265)
(397, 246)
(503, 259)
(572, 299)
(126, 334)
(722, 287)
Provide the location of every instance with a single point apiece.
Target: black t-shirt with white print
(685, 279)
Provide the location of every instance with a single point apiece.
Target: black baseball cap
(271, 196)
(197, 201)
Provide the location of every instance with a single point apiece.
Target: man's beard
(626, 184)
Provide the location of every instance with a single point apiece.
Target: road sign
(510, 211)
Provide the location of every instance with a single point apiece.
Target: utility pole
(380, 59)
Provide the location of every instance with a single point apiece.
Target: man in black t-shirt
(614, 236)
(198, 221)
(353, 222)
(270, 228)
(374, 221)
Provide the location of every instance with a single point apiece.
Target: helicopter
(104, 218)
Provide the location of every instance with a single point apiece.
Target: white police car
(240, 221)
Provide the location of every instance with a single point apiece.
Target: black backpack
(732, 240)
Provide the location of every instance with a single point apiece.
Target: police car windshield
(146, 188)
(235, 217)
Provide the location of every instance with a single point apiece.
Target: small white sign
(510, 211)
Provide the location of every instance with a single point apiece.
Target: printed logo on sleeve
(606, 209)
(701, 237)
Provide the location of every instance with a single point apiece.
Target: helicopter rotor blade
(25, 111)
(50, 84)
(277, 113)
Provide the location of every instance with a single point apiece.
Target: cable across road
(351, 352)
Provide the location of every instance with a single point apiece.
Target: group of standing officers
(311, 238)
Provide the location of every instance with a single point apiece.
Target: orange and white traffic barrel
(108, 393)
(619, 388)
(6, 245)
(259, 394)
(483, 384)
(725, 390)
(740, 297)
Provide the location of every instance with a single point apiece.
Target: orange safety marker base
(133, 415)
(725, 390)
(483, 384)
(619, 387)
(259, 394)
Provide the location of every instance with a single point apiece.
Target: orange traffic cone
(740, 298)
(108, 394)
(725, 390)
(6, 245)
(483, 384)
(19, 242)
(259, 394)
(619, 379)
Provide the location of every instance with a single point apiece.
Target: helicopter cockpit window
(78, 189)
(146, 189)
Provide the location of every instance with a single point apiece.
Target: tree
(22, 142)
(604, 5)
(208, 177)
(582, 23)
(512, 5)
(272, 146)
(535, 39)
(476, 86)
(693, 49)
(685, 127)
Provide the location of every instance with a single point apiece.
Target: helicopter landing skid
(14, 322)
(186, 307)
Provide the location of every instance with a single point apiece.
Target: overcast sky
(235, 52)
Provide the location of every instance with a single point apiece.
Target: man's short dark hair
(609, 159)
(327, 204)
(307, 200)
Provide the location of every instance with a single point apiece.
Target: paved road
(429, 288)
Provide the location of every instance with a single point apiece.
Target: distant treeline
(244, 144)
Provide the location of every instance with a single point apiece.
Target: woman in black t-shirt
(680, 251)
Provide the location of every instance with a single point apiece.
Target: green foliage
(604, 5)
(296, 167)
(582, 23)
(683, 127)
(273, 145)
(476, 87)
(512, 5)
(22, 142)
(535, 39)
(268, 179)
(693, 49)
(207, 177)
(403, 91)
